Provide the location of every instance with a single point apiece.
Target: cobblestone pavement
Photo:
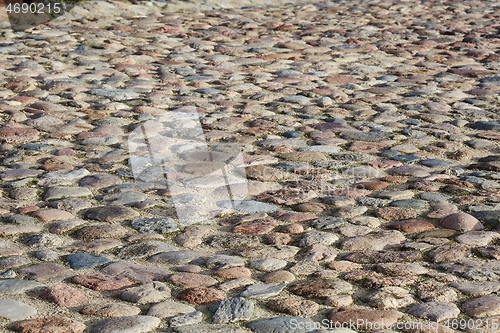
(263, 169)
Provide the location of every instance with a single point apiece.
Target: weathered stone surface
(201, 295)
(131, 324)
(435, 311)
(55, 325)
(365, 317)
(486, 306)
(64, 295)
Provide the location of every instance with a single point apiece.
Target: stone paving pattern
(369, 131)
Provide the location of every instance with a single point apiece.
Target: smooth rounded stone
(434, 196)
(169, 308)
(234, 273)
(322, 149)
(192, 235)
(395, 195)
(293, 229)
(411, 170)
(45, 272)
(297, 99)
(17, 287)
(311, 207)
(112, 213)
(15, 310)
(283, 325)
(405, 158)
(236, 283)
(16, 174)
(51, 324)
(318, 237)
(375, 257)
(294, 306)
(390, 298)
(476, 289)
(366, 318)
(278, 277)
(481, 307)
(224, 261)
(435, 311)
(268, 264)
(97, 231)
(111, 310)
(412, 226)
(160, 225)
(477, 238)
(145, 249)
(187, 319)
(264, 251)
(201, 295)
(61, 192)
(398, 269)
(148, 293)
(408, 203)
(65, 226)
(434, 163)
(209, 328)
(461, 222)
(485, 125)
(129, 324)
(246, 206)
(99, 181)
(339, 201)
(49, 215)
(481, 144)
(64, 295)
(364, 136)
(324, 101)
(396, 213)
(320, 288)
(13, 261)
(350, 212)
(263, 290)
(232, 310)
(189, 280)
(137, 272)
(85, 260)
(180, 257)
(101, 282)
(375, 241)
(339, 301)
(19, 219)
(259, 227)
(125, 198)
(320, 253)
(368, 221)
